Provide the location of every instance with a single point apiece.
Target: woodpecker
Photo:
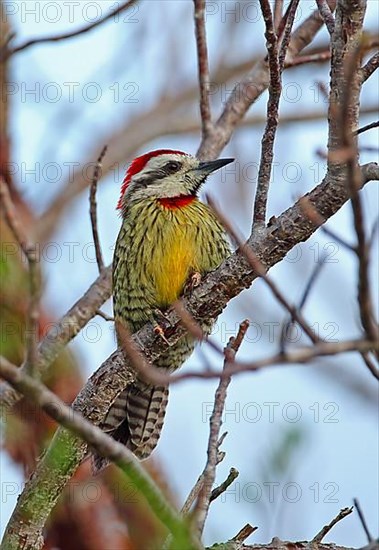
(167, 236)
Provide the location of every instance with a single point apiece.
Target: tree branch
(325, 530)
(327, 15)
(370, 67)
(215, 422)
(8, 52)
(345, 87)
(203, 67)
(93, 210)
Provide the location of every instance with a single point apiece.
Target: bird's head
(165, 174)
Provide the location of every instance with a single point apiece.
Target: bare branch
(342, 143)
(267, 146)
(370, 67)
(302, 355)
(325, 530)
(327, 15)
(245, 532)
(105, 316)
(93, 210)
(6, 53)
(367, 127)
(217, 491)
(284, 34)
(354, 176)
(276, 61)
(195, 491)
(203, 67)
(278, 13)
(204, 500)
(261, 271)
(370, 365)
(309, 58)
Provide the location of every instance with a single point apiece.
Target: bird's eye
(172, 166)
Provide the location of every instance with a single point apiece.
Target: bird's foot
(193, 281)
(159, 321)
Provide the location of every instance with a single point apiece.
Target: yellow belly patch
(171, 266)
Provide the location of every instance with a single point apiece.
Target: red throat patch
(176, 202)
(138, 164)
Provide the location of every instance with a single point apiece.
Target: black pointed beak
(209, 166)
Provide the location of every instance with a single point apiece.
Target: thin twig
(276, 59)
(278, 13)
(370, 67)
(105, 316)
(309, 58)
(261, 270)
(41, 396)
(302, 355)
(327, 15)
(245, 532)
(203, 67)
(30, 251)
(362, 518)
(267, 146)
(196, 489)
(284, 34)
(349, 144)
(287, 326)
(325, 530)
(93, 209)
(316, 218)
(203, 503)
(217, 491)
(6, 53)
(370, 365)
(367, 127)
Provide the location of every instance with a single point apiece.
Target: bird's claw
(193, 281)
(159, 330)
(159, 319)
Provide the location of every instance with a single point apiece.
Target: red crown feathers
(138, 164)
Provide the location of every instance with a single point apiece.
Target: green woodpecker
(167, 236)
